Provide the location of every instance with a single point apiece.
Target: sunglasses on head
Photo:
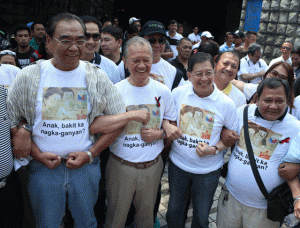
(153, 40)
(287, 48)
(95, 36)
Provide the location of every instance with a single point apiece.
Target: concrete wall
(279, 22)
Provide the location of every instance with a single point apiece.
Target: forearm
(238, 84)
(221, 146)
(109, 123)
(294, 186)
(167, 55)
(249, 77)
(104, 141)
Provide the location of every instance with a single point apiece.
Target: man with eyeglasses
(65, 165)
(92, 46)
(286, 50)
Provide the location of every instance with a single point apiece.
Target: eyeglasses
(153, 40)
(95, 36)
(201, 74)
(286, 48)
(69, 43)
(8, 52)
(277, 75)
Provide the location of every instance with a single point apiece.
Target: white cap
(132, 20)
(207, 34)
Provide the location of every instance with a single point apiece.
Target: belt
(138, 165)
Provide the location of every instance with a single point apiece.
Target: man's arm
(249, 77)
(110, 123)
(295, 188)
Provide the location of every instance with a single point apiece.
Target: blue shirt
(224, 47)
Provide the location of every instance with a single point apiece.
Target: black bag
(280, 200)
(224, 170)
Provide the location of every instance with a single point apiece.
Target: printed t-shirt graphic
(264, 141)
(64, 103)
(134, 127)
(197, 122)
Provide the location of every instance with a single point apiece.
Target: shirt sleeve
(293, 155)
(231, 118)
(243, 68)
(170, 111)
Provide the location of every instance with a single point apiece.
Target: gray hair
(136, 41)
(253, 48)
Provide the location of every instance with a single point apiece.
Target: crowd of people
(91, 114)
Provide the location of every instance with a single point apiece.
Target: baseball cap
(207, 34)
(151, 27)
(133, 19)
(239, 34)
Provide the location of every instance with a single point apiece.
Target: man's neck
(228, 45)
(155, 59)
(23, 49)
(115, 58)
(62, 67)
(184, 61)
(221, 85)
(37, 40)
(172, 34)
(285, 57)
(87, 56)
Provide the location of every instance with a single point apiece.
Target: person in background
(173, 37)
(194, 37)
(250, 38)
(38, 34)
(228, 45)
(239, 38)
(9, 57)
(180, 29)
(286, 49)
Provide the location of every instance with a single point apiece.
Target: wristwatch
(91, 157)
(27, 127)
(217, 150)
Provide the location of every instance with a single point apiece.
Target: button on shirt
(248, 67)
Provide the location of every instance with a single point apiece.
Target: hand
(21, 143)
(149, 135)
(261, 73)
(229, 137)
(203, 150)
(173, 132)
(154, 76)
(297, 209)
(51, 161)
(142, 116)
(288, 171)
(76, 160)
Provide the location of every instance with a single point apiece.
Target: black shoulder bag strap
(177, 79)
(257, 176)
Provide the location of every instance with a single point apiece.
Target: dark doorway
(218, 17)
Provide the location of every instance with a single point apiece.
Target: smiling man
(286, 49)
(92, 46)
(62, 145)
(269, 124)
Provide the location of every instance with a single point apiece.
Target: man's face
(70, 31)
(204, 38)
(286, 49)
(272, 103)
(202, 78)
(252, 39)
(173, 27)
(8, 59)
(23, 38)
(255, 58)
(157, 48)
(93, 43)
(185, 49)
(138, 24)
(39, 31)
(295, 60)
(229, 40)
(237, 41)
(109, 45)
(139, 61)
(227, 67)
(195, 30)
(180, 30)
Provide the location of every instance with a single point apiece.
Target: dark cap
(238, 34)
(151, 27)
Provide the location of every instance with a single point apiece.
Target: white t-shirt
(201, 120)
(248, 67)
(289, 61)
(163, 69)
(61, 125)
(173, 47)
(193, 37)
(110, 68)
(296, 110)
(240, 180)
(249, 90)
(235, 95)
(11, 73)
(129, 144)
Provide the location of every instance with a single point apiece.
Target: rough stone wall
(279, 22)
